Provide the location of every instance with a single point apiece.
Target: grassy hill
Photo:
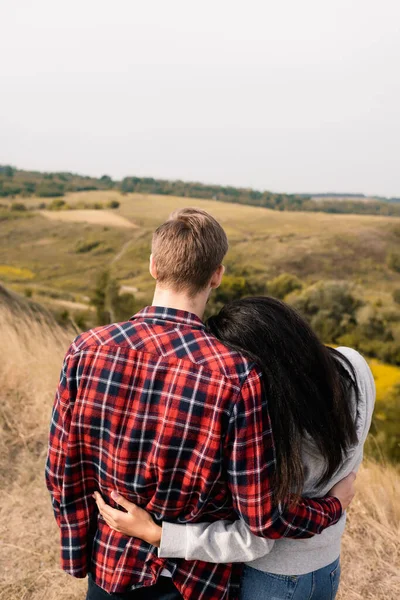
(49, 244)
(31, 356)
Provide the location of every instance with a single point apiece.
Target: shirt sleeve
(251, 467)
(219, 542)
(58, 438)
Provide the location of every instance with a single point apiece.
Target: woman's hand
(344, 490)
(135, 522)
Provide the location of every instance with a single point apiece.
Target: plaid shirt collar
(171, 315)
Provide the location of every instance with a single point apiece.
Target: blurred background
(281, 120)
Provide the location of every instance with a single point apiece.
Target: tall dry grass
(30, 361)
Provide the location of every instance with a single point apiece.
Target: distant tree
(122, 306)
(110, 304)
(106, 181)
(99, 298)
(7, 171)
(127, 185)
(49, 189)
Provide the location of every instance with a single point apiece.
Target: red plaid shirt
(161, 411)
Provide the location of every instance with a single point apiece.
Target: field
(31, 355)
(54, 259)
(92, 216)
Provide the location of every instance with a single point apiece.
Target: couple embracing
(205, 461)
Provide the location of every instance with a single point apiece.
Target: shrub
(86, 246)
(329, 307)
(18, 206)
(15, 273)
(113, 204)
(283, 285)
(396, 295)
(385, 430)
(63, 317)
(57, 204)
(231, 288)
(393, 261)
(80, 319)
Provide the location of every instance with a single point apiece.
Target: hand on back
(344, 490)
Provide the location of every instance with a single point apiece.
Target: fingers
(122, 501)
(105, 510)
(101, 505)
(111, 523)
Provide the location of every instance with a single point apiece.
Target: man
(162, 412)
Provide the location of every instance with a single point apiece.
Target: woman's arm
(219, 542)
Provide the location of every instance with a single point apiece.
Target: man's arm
(58, 438)
(251, 467)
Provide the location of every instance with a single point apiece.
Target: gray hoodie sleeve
(219, 542)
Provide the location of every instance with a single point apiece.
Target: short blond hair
(187, 249)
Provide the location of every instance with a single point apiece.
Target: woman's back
(295, 557)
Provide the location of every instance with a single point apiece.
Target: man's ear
(152, 267)
(216, 279)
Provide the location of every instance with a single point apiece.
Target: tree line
(14, 182)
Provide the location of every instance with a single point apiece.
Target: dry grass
(94, 217)
(31, 355)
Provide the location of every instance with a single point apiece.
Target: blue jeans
(318, 585)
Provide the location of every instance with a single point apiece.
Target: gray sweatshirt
(224, 541)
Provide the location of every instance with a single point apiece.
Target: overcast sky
(296, 96)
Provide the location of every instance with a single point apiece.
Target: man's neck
(181, 301)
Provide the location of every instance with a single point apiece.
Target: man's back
(146, 406)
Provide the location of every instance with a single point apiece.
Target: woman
(321, 403)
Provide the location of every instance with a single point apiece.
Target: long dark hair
(307, 383)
